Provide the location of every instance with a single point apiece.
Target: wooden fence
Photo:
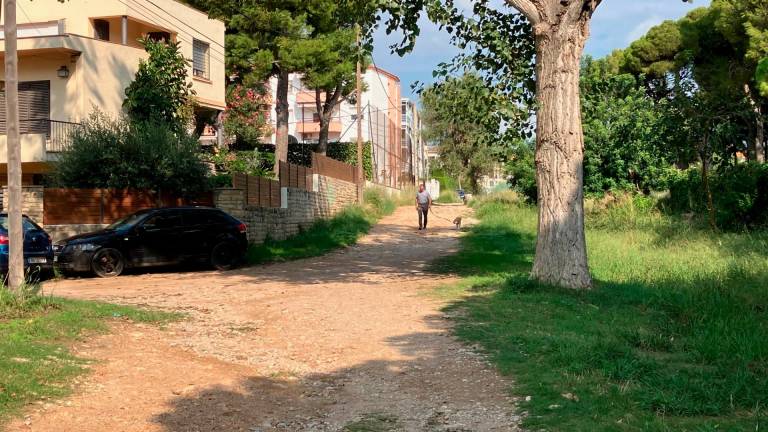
(104, 206)
(295, 176)
(328, 167)
(259, 191)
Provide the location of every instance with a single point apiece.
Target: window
(201, 59)
(204, 217)
(101, 29)
(315, 117)
(163, 221)
(159, 36)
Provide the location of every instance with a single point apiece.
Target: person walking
(423, 203)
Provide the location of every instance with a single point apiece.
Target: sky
(616, 24)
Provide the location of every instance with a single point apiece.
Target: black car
(156, 237)
(38, 253)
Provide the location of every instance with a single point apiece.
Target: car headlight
(84, 247)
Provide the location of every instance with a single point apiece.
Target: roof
(383, 72)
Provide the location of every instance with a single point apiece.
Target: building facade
(381, 120)
(79, 56)
(412, 144)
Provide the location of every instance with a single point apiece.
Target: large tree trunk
(325, 112)
(561, 252)
(756, 150)
(322, 141)
(281, 120)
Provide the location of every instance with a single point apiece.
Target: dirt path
(348, 339)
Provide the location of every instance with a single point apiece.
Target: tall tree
(330, 72)
(268, 38)
(330, 68)
(460, 115)
(559, 29)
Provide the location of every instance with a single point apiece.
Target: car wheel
(224, 256)
(107, 262)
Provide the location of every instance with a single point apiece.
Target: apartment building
(381, 120)
(412, 144)
(79, 56)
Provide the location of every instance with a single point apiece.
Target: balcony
(314, 127)
(41, 140)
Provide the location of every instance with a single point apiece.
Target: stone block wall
(298, 211)
(32, 202)
(332, 195)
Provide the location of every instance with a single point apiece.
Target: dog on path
(457, 222)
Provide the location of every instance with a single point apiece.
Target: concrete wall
(32, 148)
(299, 208)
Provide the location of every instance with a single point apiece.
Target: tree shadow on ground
(434, 387)
(656, 351)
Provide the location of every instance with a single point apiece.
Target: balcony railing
(58, 134)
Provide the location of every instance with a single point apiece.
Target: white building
(381, 120)
(412, 144)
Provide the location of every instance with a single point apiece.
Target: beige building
(80, 55)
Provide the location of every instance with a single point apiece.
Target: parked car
(156, 237)
(38, 251)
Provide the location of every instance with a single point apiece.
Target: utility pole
(360, 170)
(15, 236)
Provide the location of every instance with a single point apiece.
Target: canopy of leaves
(460, 115)
(108, 153)
(266, 37)
(160, 91)
(761, 77)
(625, 131)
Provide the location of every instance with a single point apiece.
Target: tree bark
(561, 252)
(756, 148)
(15, 233)
(325, 112)
(281, 120)
(704, 155)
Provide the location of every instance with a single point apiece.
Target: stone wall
(332, 195)
(60, 232)
(32, 202)
(298, 211)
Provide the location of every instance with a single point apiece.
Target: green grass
(674, 336)
(325, 235)
(448, 196)
(34, 361)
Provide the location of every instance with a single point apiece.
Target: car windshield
(128, 221)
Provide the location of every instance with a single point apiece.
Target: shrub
(160, 92)
(522, 171)
(739, 193)
(107, 153)
(252, 162)
(247, 113)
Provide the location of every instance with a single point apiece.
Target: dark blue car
(38, 249)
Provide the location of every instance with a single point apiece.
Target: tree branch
(527, 8)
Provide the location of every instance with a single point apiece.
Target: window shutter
(34, 107)
(200, 58)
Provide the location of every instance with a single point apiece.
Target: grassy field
(674, 336)
(326, 235)
(34, 332)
